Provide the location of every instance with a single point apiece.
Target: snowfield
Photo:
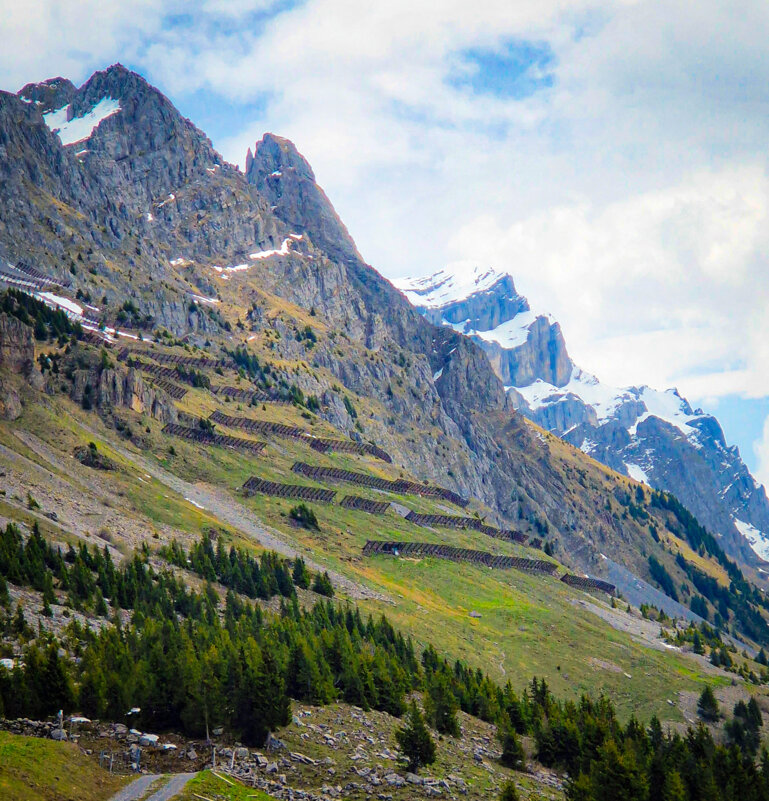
(457, 282)
(759, 542)
(79, 129)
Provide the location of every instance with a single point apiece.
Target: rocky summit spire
(285, 178)
(49, 95)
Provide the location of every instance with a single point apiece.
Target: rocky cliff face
(143, 212)
(142, 200)
(17, 346)
(484, 305)
(654, 437)
(284, 177)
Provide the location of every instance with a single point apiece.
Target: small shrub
(304, 516)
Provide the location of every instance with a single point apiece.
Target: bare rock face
(127, 389)
(117, 387)
(10, 403)
(49, 95)
(543, 355)
(17, 346)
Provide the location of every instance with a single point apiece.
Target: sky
(612, 156)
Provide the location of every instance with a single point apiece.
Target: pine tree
(301, 575)
(707, 706)
(697, 643)
(322, 585)
(415, 741)
(509, 793)
(100, 605)
(673, 788)
(513, 755)
(441, 705)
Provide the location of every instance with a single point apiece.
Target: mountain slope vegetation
(211, 404)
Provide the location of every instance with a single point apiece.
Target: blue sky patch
(743, 421)
(516, 70)
(219, 117)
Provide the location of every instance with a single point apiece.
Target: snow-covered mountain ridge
(650, 435)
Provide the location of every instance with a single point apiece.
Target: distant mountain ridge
(652, 436)
(123, 205)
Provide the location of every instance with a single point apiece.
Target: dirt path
(172, 788)
(139, 787)
(136, 788)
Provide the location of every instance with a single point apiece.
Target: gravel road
(139, 787)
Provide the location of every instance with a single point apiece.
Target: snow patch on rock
(79, 129)
(456, 282)
(758, 541)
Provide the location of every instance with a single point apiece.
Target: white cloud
(630, 199)
(666, 287)
(47, 38)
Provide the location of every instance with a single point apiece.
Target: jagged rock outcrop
(286, 179)
(651, 436)
(49, 95)
(10, 402)
(116, 387)
(17, 346)
(127, 388)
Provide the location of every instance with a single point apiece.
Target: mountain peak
(483, 303)
(456, 282)
(283, 176)
(50, 94)
(281, 154)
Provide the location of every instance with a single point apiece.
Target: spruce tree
(513, 755)
(415, 741)
(707, 706)
(322, 585)
(301, 575)
(441, 705)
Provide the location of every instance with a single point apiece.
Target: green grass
(529, 625)
(208, 785)
(33, 769)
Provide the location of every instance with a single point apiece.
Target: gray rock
(10, 403)
(394, 780)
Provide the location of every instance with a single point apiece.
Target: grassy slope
(529, 625)
(208, 785)
(32, 769)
